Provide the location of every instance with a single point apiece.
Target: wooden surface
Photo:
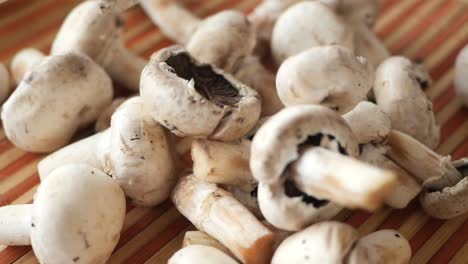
(431, 30)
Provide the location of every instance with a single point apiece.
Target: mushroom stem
(24, 61)
(15, 225)
(175, 21)
(341, 179)
(126, 68)
(419, 160)
(202, 238)
(216, 212)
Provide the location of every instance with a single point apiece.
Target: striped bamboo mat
(431, 30)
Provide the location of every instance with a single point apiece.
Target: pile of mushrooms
(275, 156)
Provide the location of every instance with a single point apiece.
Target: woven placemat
(433, 31)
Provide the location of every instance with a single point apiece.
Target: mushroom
(65, 92)
(24, 61)
(308, 24)
(103, 121)
(201, 238)
(334, 242)
(117, 5)
(134, 152)
(194, 99)
(214, 211)
(356, 11)
(77, 215)
(4, 83)
(461, 73)
(327, 75)
(199, 254)
(247, 197)
(96, 32)
(368, 45)
(447, 200)
(280, 160)
(399, 90)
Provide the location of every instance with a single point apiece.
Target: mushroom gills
(211, 85)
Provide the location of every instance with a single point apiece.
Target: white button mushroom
(461, 73)
(331, 76)
(97, 33)
(77, 216)
(194, 99)
(199, 254)
(64, 93)
(117, 5)
(216, 212)
(399, 90)
(4, 83)
(24, 61)
(308, 24)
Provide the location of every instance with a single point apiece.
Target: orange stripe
(387, 5)
(453, 123)
(5, 145)
(12, 6)
(449, 61)
(451, 246)
(398, 217)
(425, 233)
(11, 254)
(358, 218)
(21, 188)
(399, 19)
(17, 164)
(148, 250)
(426, 22)
(443, 99)
(461, 151)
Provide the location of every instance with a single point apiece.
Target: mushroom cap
(399, 90)
(78, 215)
(327, 75)
(223, 39)
(275, 144)
(194, 99)
(368, 122)
(448, 202)
(89, 30)
(461, 73)
(326, 242)
(308, 24)
(383, 246)
(287, 210)
(24, 61)
(199, 254)
(140, 158)
(54, 100)
(4, 83)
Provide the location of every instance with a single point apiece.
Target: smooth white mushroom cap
(331, 76)
(63, 93)
(308, 24)
(461, 75)
(77, 217)
(199, 254)
(24, 61)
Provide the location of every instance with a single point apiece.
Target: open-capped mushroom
(331, 76)
(202, 238)
(286, 192)
(194, 99)
(399, 90)
(4, 83)
(64, 93)
(461, 75)
(216, 212)
(103, 121)
(134, 152)
(97, 33)
(200, 254)
(77, 216)
(308, 24)
(24, 61)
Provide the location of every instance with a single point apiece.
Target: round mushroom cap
(24, 61)
(4, 83)
(199, 254)
(223, 39)
(331, 76)
(384, 246)
(276, 143)
(57, 97)
(447, 201)
(399, 90)
(461, 75)
(77, 217)
(284, 206)
(194, 99)
(325, 242)
(139, 157)
(89, 30)
(308, 24)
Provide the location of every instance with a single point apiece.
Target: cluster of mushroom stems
(342, 124)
